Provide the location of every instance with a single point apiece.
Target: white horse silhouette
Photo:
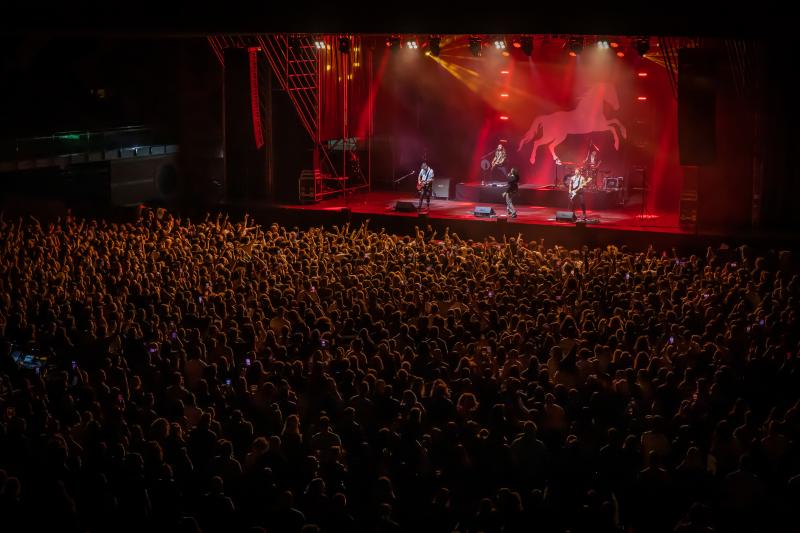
(587, 117)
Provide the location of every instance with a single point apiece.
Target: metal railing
(65, 143)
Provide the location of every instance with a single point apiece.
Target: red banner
(254, 103)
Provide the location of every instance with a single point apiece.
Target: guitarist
(425, 184)
(499, 161)
(576, 185)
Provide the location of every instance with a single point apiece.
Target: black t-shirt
(513, 181)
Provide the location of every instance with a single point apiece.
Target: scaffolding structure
(296, 62)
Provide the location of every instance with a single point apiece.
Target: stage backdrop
(454, 109)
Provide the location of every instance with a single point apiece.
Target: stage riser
(595, 200)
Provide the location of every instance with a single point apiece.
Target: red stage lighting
(642, 98)
(503, 95)
(503, 72)
(572, 54)
(503, 117)
(643, 74)
(517, 44)
(613, 44)
(620, 54)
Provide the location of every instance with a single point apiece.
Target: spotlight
(475, 46)
(575, 45)
(434, 44)
(642, 46)
(319, 43)
(620, 53)
(613, 44)
(526, 44)
(602, 45)
(516, 43)
(411, 44)
(344, 45)
(500, 43)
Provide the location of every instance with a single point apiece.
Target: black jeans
(580, 200)
(424, 193)
(501, 171)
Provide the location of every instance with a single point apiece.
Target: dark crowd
(169, 375)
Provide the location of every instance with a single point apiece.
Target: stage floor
(628, 218)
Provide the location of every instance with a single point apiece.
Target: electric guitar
(498, 161)
(424, 184)
(574, 190)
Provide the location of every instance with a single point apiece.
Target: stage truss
(295, 60)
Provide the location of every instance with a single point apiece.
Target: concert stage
(548, 196)
(613, 226)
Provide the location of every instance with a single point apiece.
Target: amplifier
(441, 188)
(613, 184)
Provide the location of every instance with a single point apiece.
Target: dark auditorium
(363, 267)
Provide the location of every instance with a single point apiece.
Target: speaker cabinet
(405, 207)
(565, 216)
(441, 188)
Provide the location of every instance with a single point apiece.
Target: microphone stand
(404, 177)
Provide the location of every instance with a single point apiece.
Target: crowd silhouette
(165, 374)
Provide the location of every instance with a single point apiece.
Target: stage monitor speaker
(405, 207)
(565, 216)
(483, 211)
(697, 102)
(441, 188)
